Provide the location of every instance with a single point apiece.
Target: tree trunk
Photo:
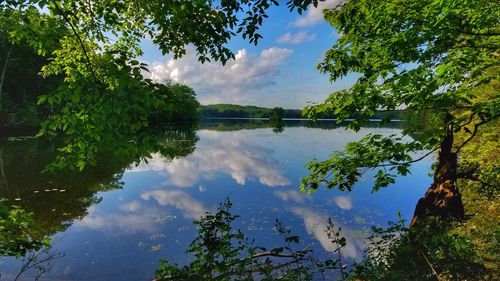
(2, 77)
(442, 199)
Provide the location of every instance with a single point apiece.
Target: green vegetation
(22, 163)
(79, 78)
(277, 115)
(21, 60)
(223, 253)
(60, 91)
(249, 111)
(16, 232)
(243, 111)
(428, 56)
(90, 49)
(25, 220)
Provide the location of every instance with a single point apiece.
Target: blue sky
(279, 71)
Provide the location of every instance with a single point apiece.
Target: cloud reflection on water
(315, 223)
(224, 152)
(343, 202)
(292, 195)
(131, 220)
(190, 207)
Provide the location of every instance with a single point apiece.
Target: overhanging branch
(405, 163)
(80, 41)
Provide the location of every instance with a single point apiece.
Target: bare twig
(33, 260)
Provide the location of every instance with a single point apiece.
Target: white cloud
(315, 224)
(296, 38)
(227, 152)
(315, 15)
(190, 207)
(237, 81)
(131, 207)
(343, 202)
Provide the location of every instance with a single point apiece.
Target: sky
(279, 71)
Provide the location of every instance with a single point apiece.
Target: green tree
(221, 252)
(425, 56)
(277, 115)
(276, 119)
(21, 57)
(180, 104)
(105, 94)
(17, 236)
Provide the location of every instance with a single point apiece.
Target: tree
(21, 58)
(277, 115)
(221, 252)
(105, 95)
(425, 56)
(276, 119)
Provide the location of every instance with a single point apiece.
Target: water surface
(116, 221)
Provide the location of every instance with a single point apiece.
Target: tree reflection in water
(26, 188)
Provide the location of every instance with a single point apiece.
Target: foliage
(58, 197)
(243, 111)
(90, 99)
(222, 253)
(425, 56)
(104, 95)
(180, 105)
(276, 119)
(16, 234)
(22, 55)
(277, 115)
(250, 124)
(249, 111)
(438, 253)
(481, 182)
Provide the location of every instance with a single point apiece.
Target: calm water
(117, 220)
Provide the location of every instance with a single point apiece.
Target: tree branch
(404, 163)
(480, 34)
(80, 41)
(473, 134)
(296, 258)
(299, 253)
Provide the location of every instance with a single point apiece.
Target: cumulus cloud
(213, 82)
(190, 207)
(297, 38)
(228, 153)
(315, 15)
(315, 224)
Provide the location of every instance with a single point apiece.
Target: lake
(116, 220)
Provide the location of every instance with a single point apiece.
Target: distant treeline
(249, 111)
(242, 111)
(249, 124)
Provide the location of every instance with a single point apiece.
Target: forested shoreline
(249, 111)
(69, 70)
